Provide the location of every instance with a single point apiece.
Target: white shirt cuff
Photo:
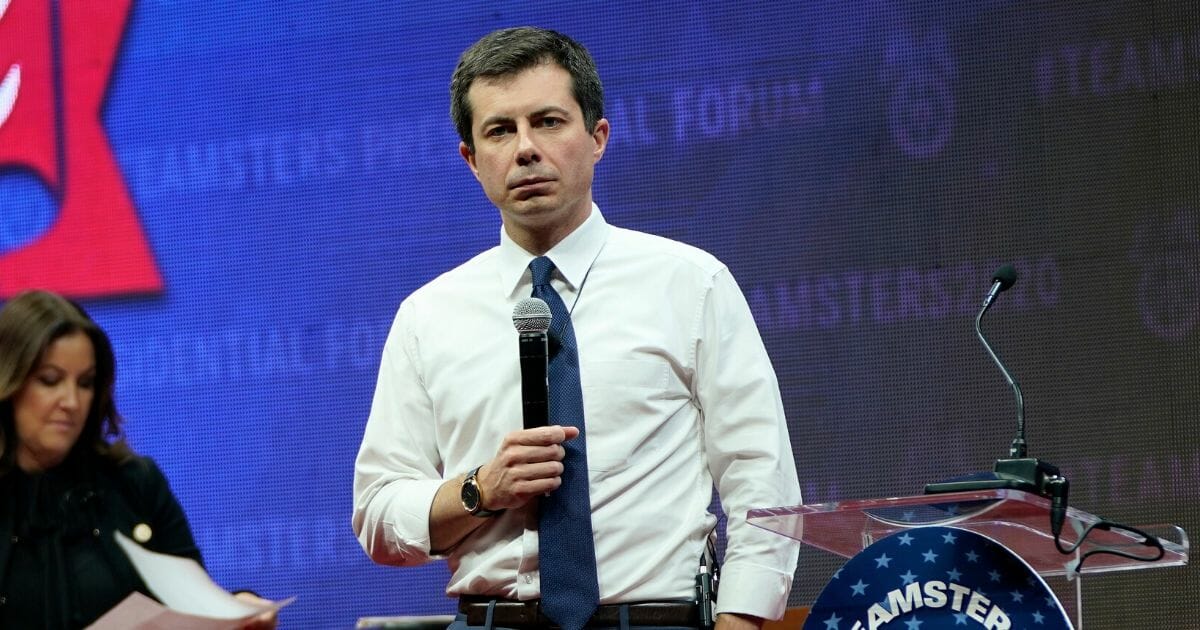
(755, 590)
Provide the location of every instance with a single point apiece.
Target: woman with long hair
(68, 480)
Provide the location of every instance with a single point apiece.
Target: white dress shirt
(677, 390)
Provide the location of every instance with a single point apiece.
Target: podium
(1018, 520)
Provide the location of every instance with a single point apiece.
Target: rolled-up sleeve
(398, 470)
(748, 448)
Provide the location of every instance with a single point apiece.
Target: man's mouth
(528, 182)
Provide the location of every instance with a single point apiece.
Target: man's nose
(527, 149)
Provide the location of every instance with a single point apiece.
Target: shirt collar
(572, 256)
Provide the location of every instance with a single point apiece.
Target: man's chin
(533, 206)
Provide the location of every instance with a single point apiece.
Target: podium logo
(935, 577)
(55, 62)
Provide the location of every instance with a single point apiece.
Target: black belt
(515, 614)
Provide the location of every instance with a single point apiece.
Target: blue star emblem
(985, 575)
(952, 510)
(908, 515)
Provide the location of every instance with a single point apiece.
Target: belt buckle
(507, 613)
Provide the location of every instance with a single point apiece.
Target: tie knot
(541, 267)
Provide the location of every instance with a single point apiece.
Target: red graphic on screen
(53, 77)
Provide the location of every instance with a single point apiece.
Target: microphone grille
(531, 315)
(1006, 276)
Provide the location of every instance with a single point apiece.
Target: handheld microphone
(531, 318)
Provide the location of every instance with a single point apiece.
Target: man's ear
(600, 135)
(468, 157)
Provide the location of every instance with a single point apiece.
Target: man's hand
(528, 465)
(730, 621)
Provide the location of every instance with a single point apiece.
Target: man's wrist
(471, 495)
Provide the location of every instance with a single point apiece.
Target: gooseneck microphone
(1004, 278)
(1017, 471)
(1029, 474)
(531, 317)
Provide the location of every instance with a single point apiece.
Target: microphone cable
(1058, 488)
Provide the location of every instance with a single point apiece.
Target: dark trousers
(460, 623)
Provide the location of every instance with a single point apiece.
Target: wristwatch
(472, 497)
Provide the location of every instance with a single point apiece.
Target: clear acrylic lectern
(1018, 520)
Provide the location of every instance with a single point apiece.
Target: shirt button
(528, 579)
(96, 533)
(3, 600)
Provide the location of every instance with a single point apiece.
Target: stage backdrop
(243, 192)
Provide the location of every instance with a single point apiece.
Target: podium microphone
(531, 317)
(1020, 472)
(1017, 471)
(1004, 278)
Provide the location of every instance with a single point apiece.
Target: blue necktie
(567, 553)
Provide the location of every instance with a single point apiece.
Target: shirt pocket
(624, 402)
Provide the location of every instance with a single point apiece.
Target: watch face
(470, 496)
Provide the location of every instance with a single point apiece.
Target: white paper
(138, 612)
(190, 599)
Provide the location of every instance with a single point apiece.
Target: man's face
(533, 153)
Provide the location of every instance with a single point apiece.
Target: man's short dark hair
(511, 50)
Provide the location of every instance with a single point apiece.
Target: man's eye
(496, 132)
(551, 122)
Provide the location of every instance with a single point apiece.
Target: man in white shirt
(677, 389)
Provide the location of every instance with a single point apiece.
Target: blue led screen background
(862, 167)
